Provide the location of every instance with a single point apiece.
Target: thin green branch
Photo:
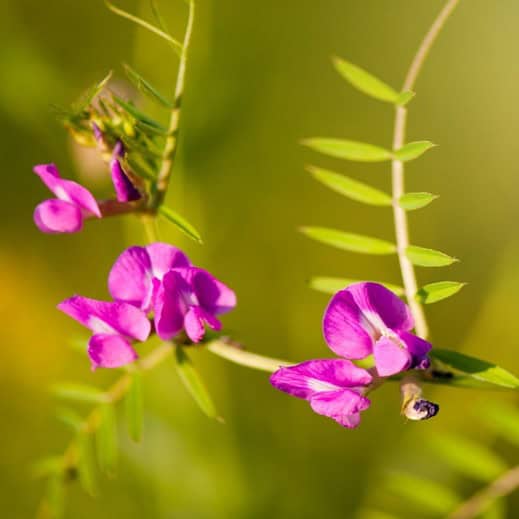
(170, 147)
(177, 47)
(397, 169)
(234, 353)
(477, 504)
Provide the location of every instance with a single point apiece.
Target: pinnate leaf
(350, 188)
(412, 201)
(348, 150)
(413, 150)
(146, 87)
(365, 82)
(481, 370)
(133, 403)
(182, 224)
(79, 393)
(348, 241)
(106, 439)
(331, 285)
(423, 257)
(193, 383)
(434, 292)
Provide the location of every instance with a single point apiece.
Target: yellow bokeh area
(259, 80)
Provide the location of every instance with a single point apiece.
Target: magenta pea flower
(114, 324)
(189, 299)
(125, 191)
(72, 204)
(138, 272)
(160, 278)
(333, 387)
(367, 318)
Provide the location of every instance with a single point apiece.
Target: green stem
(235, 354)
(150, 228)
(170, 147)
(397, 169)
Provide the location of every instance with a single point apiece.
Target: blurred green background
(259, 80)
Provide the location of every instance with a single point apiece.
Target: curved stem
(397, 172)
(502, 486)
(170, 147)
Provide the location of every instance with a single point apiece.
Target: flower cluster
(74, 203)
(158, 282)
(362, 320)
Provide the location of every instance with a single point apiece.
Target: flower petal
(110, 351)
(170, 305)
(195, 320)
(390, 358)
(124, 189)
(67, 190)
(165, 257)
(342, 406)
(130, 277)
(345, 331)
(107, 317)
(56, 216)
(379, 303)
(321, 375)
(213, 295)
(418, 348)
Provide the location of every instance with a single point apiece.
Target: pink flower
(334, 388)
(66, 212)
(367, 318)
(114, 325)
(160, 278)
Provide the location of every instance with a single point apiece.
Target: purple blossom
(114, 325)
(124, 189)
(367, 318)
(333, 387)
(160, 278)
(72, 204)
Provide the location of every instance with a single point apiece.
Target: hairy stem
(170, 147)
(502, 486)
(397, 169)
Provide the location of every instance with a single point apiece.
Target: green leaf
(86, 465)
(91, 94)
(350, 188)
(146, 87)
(364, 81)
(405, 97)
(502, 418)
(70, 418)
(423, 257)
(194, 383)
(177, 47)
(348, 241)
(329, 285)
(412, 201)
(133, 403)
(79, 393)
(348, 150)
(182, 224)
(434, 292)
(413, 150)
(477, 369)
(138, 115)
(427, 495)
(106, 439)
(467, 457)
